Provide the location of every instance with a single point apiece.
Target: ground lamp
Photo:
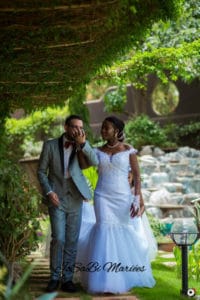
(184, 233)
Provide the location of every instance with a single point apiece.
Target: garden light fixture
(184, 233)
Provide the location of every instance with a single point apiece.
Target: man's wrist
(80, 146)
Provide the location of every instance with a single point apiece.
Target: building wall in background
(138, 103)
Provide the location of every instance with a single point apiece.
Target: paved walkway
(40, 276)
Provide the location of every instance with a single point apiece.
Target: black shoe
(68, 287)
(52, 286)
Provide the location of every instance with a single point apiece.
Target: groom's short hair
(72, 117)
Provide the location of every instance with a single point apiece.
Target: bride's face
(108, 131)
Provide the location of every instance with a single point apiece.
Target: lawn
(168, 285)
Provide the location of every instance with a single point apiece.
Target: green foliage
(95, 89)
(167, 285)
(143, 131)
(193, 261)
(157, 226)
(184, 134)
(12, 292)
(4, 113)
(166, 63)
(196, 213)
(92, 177)
(76, 103)
(189, 134)
(50, 296)
(18, 290)
(77, 106)
(19, 213)
(192, 127)
(115, 99)
(178, 258)
(170, 51)
(45, 66)
(174, 33)
(28, 132)
(14, 277)
(37, 121)
(171, 132)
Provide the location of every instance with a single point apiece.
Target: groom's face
(74, 128)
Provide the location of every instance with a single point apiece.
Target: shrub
(184, 134)
(143, 131)
(27, 132)
(19, 213)
(189, 134)
(157, 226)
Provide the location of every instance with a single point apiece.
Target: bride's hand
(133, 211)
(141, 210)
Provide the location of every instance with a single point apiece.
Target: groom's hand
(79, 136)
(53, 197)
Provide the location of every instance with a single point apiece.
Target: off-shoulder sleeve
(133, 150)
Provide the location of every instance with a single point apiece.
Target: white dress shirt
(67, 153)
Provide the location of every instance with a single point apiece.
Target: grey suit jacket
(51, 168)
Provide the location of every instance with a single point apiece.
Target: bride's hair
(119, 124)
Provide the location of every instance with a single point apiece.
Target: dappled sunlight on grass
(167, 286)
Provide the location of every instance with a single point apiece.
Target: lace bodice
(113, 170)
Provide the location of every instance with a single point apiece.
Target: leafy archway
(50, 49)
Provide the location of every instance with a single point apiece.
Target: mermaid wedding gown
(112, 251)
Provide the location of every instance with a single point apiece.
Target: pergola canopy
(51, 47)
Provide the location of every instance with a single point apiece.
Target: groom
(64, 188)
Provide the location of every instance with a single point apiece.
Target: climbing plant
(166, 63)
(170, 50)
(50, 49)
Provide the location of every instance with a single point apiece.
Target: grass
(168, 285)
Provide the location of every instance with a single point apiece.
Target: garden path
(40, 276)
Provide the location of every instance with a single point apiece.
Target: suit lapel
(72, 155)
(60, 146)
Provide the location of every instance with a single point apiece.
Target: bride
(112, 255)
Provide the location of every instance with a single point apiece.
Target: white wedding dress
(112, 251)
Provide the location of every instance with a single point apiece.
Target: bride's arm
(137, 207)
(136, 173)
(142, 207)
